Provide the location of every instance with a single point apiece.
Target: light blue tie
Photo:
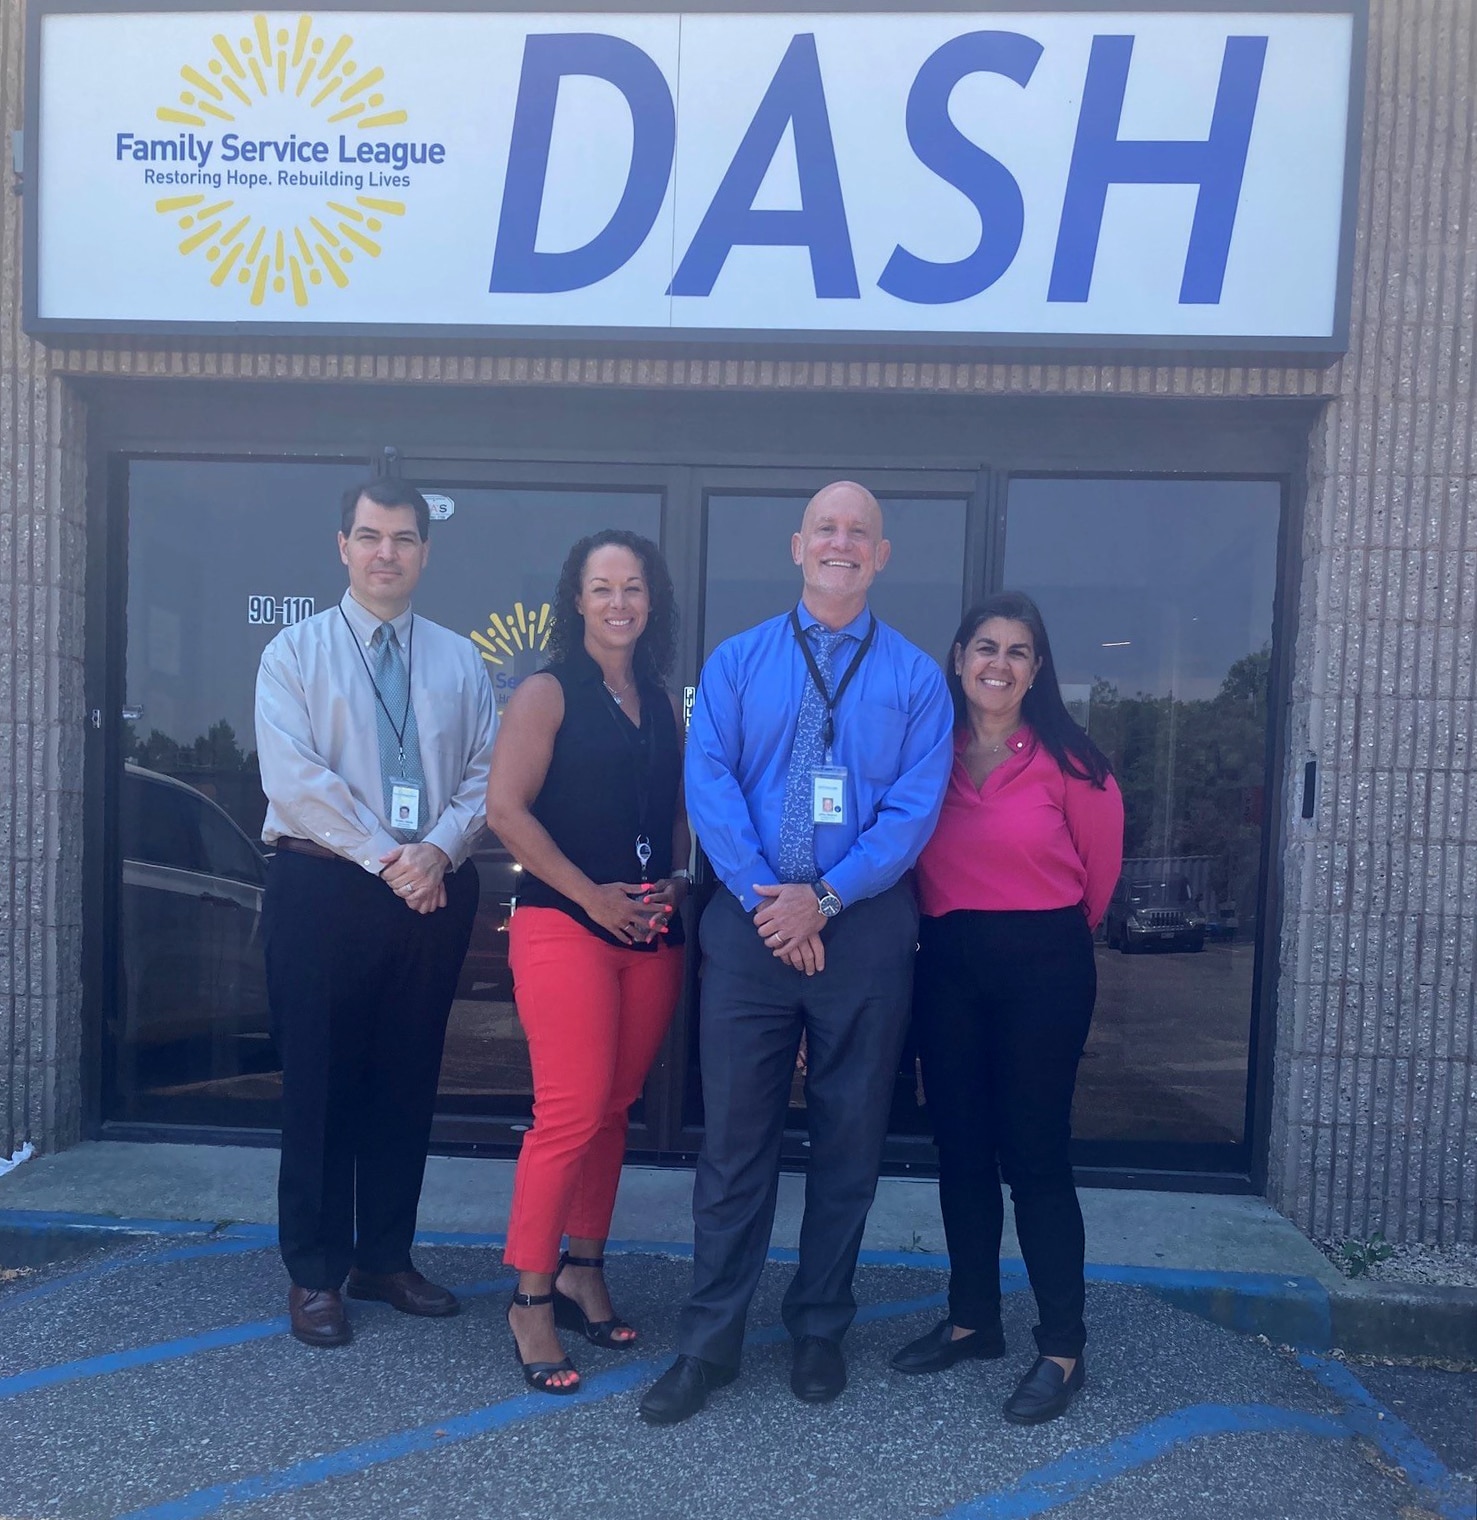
(797, 822)
(393, 681)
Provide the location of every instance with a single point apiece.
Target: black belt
(308, 847)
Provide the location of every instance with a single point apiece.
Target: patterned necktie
(797, 823)
(393, 681)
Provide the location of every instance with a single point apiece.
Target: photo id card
(828, 794)
(405, 806)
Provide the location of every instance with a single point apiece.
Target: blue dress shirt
(894, 735)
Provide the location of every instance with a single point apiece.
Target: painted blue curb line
(17, 1298)
(454, 1429)
(1080, 1472)
(1451, 1497)
(187, 1345)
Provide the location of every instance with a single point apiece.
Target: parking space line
(222, 1247)
(1450, 1496)
(188, 1345)
(455, 1429)
(1080, 1472)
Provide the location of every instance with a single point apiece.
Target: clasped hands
(789, 921)
(635, 912)
(414, 873)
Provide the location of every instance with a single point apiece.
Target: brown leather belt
(308, 847)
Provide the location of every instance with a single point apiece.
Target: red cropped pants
(594, 1015)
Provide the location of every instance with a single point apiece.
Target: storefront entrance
(1160, 593)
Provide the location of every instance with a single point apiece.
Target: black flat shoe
(1044, 1392)
(537, 1374)
(683, 1389)
(568, 1314)
(819, 1372)
(940, 1349)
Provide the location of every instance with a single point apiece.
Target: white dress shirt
(317, 736)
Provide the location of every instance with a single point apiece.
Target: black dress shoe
(819, 1373)
(408, 1292)
(683, 1389)
(1044, 1392)
(940, 1349)
(316, 1316)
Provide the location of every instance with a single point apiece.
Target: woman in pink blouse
(1011, 886)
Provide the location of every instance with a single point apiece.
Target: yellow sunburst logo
(276, 64)
(511, 633)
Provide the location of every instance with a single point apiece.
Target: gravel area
(1453, 1266)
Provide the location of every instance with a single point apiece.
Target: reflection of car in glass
(1154, 911)
(192, 902)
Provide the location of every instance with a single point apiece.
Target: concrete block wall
(1374, 1115)
(42, 551)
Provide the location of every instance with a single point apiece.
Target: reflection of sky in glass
(751, 576)
(206, 536)
(1157, 586)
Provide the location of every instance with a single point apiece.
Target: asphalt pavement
(154, 1379)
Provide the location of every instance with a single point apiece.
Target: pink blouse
(1031, 838)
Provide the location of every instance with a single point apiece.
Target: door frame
(407, 429)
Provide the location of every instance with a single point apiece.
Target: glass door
(500, 537)
(748, 576)
(223, 554)
(1158, 596)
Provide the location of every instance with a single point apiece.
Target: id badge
(405, 806)
(828, 794)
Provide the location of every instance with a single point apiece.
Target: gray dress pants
(754, 1009)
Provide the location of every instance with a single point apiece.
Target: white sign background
(106, 254)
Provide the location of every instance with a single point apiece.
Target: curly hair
(1063, 738)
(656, 649)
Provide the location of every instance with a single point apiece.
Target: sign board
(1177, 178)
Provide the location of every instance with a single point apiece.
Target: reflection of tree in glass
(1193, 773)
(214, 764)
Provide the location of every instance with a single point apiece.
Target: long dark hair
(1064, 739)
(657, 647)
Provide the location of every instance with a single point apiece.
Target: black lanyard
(641, 741)
(829, 733)
(404, 724)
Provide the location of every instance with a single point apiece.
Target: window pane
(221, 556)
(500, 553)
(1158, 598)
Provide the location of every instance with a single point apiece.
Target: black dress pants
(754, 1009)
(360, 988)
(1002, 1003)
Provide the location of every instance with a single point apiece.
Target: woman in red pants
(585, 792)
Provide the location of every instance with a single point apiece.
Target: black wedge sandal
(537, 1374)
(568, 1314)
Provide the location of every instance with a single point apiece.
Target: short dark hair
(386, 492)
(657, 647)
(1063, 738)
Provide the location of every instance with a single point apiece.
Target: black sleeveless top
(607, 783)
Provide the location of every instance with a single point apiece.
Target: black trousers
(754, 1009)
(360, 990)
(1001, 1007)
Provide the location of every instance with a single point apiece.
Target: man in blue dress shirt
(817, 758)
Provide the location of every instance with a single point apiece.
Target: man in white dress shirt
(373, 727)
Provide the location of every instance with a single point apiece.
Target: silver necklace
(618, 697)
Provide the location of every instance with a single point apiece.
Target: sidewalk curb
(1363, 1319)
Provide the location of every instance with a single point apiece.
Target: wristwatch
(826, 899)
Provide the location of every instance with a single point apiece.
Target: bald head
(840, 549)
(843, 496)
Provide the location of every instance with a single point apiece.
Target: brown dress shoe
(318, 1317)
(408, 1292)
